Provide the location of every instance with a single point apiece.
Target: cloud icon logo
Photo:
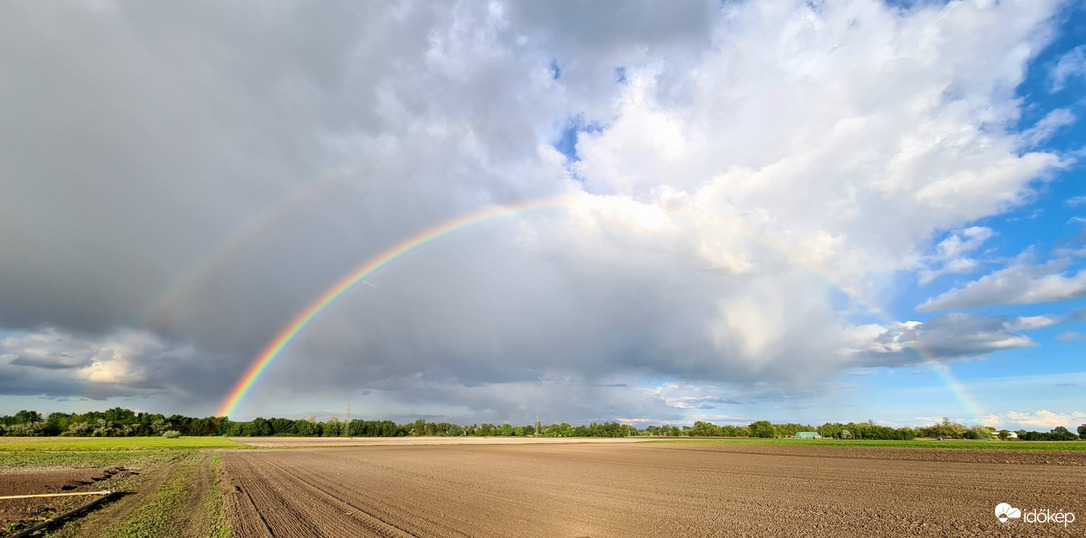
(1006, 512)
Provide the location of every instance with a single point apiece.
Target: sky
(797, 211)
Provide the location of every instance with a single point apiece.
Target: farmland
(621, 489)
(435, 486)
(162, 487)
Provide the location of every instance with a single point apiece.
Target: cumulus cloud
(1021, 283)
(1042, 419)
(1029, 323)
(955, 336)
(951, 254)
(746, 163)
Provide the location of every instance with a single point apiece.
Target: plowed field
(646, 489)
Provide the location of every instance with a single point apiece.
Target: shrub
(171, 434)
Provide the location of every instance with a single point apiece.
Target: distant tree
(1082, 431)
(507, 430)
(763, 429)
(307, 428)
(281, 426)
(331, 428)
(259, 427)
(419, 427)
(26, 417)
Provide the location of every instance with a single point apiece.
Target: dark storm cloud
(182, 180)
(51, 361)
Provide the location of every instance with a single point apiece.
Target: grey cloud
(1021, 283)
(186, 179)
(52, 361)
(951, 337)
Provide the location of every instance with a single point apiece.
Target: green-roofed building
(808, 435)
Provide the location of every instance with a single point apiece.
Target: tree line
(119, 422)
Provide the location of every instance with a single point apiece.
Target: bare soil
(625, 489)
(270, 442)
(16, 514)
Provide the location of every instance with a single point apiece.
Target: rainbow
(286, 335)
(205, 266)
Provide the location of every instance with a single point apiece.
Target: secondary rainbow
(291, 330)
(285, 336)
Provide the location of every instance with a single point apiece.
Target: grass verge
(155, 516)
(188, 502)
(119, 443)
(9, 460)
(919, 443)
(213, 505)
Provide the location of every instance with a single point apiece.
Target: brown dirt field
(21, 513)
(279, 442)
(645, 489)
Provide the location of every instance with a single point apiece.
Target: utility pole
(347, 433)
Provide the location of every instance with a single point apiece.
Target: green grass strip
(157, 515)
(69, 458)
(121, 443)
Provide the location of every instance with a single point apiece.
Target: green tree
(27, 417)
(507, 430)
(259, 427)
(1082, 431)
(763, 429)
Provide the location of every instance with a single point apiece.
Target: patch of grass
(156, 516)
(103, 522)
(120, 443)
(81, 459)
(919, 443)
(213, 505)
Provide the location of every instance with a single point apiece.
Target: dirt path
(626, 489)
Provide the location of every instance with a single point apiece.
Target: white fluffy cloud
(951, 254)
(739, 166)
(1042, 419)
(1021, 283)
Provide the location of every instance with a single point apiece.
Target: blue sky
(766, 209)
